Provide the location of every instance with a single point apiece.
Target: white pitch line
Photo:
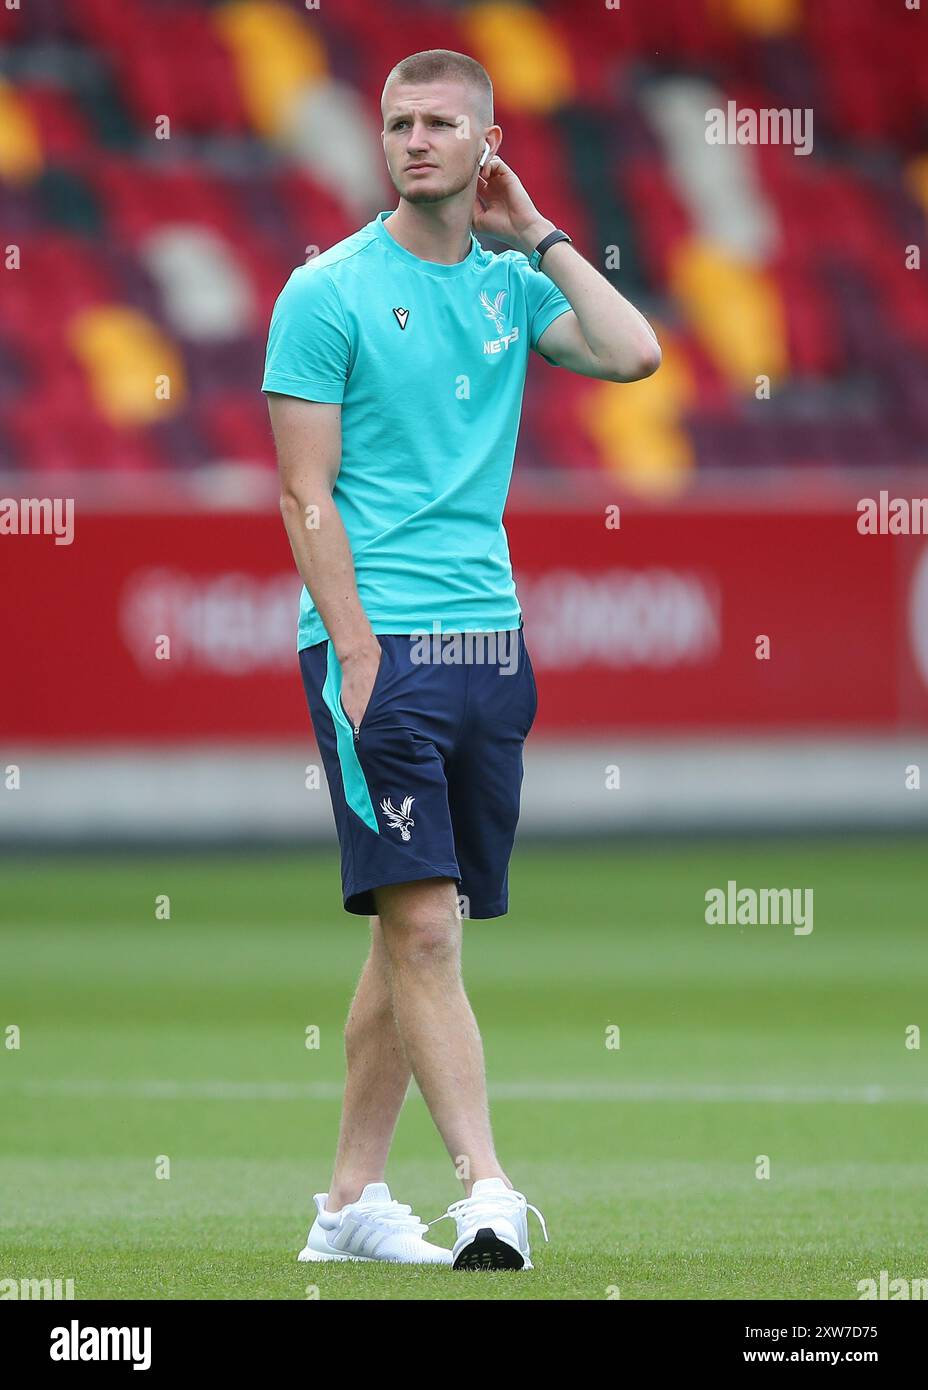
(640, 1091)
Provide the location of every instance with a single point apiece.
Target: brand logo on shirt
(400, 819)
(493, 308)
(401, 316)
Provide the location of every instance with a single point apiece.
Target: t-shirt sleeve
(545, 304)
(308, 345)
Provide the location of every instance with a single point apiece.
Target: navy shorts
(429, 785)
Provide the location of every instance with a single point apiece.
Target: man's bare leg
(422, 933)
(376, 1084)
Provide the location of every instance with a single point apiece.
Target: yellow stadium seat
(130, 364)
(20, 146)
(765, 18)
(637, 426)
(276, 56)
(531, 69)
(735, 310)
(916, 177)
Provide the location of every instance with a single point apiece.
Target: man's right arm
(309, 446)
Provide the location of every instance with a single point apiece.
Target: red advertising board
(657, 624)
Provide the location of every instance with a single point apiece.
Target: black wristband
(534, 259)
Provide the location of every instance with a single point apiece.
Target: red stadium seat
(856, 319)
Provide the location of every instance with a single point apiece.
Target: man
(395, 371)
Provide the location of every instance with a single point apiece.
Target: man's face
(432, 138)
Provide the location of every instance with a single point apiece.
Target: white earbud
(485, 155)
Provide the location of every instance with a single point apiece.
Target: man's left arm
(603, 335)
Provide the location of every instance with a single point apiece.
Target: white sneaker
(375, 1227)
(492, 1227)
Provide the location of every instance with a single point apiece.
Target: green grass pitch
(185, 1038)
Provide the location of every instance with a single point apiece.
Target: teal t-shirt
(428, 362)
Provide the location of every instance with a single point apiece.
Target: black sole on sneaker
(487, 1251)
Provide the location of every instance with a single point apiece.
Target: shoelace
(482, 1207)
(398, 1214)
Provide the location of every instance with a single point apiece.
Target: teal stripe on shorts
(357, 793)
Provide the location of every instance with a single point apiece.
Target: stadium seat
(130, 256)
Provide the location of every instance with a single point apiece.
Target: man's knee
(419, 920)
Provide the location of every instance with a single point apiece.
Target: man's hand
(503, 209)
(359, 672)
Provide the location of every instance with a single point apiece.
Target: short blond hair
(433, 64)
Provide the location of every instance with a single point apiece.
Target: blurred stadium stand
(129, 257)
(149, 255)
